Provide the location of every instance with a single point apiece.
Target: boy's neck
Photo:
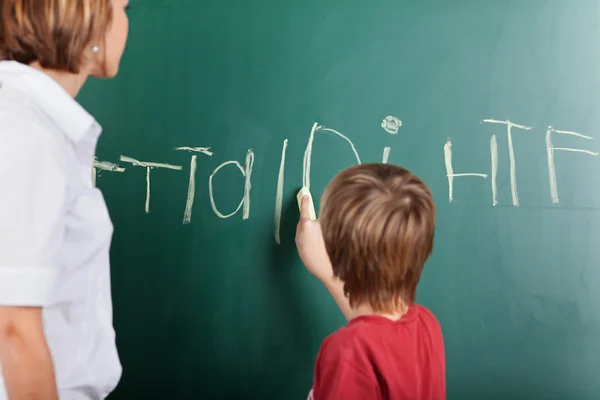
(366, 310)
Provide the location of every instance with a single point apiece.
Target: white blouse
(55, 230)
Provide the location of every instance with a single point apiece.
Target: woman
(56, 334)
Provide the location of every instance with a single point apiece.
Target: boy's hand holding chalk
(310, 207)
(309, 239)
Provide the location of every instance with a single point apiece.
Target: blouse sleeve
(33, 181)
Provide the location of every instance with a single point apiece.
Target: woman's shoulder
(22, 123)
(26, 137)
(17, 108)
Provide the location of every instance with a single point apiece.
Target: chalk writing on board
(316, 130)
(247, 174)
(189, 203)
(511, 154)
(450, 170)
(308, 152)
(104, 166)
(494, 159)
(386, 155)
(391, 124)
(279, 196)
(550, 149)
(149, 165)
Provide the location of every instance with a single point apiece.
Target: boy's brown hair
(56, 33)
(378, 223)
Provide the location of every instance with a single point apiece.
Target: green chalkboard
(213, 307)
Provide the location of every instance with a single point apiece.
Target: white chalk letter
(279, 196)
(550, 149)
(511, 153)
(104, 166)
(149, 165)
(386, 155)
(246, 173)
(391, 124)
(494, 157)
(187, 214)
(450, 170)
(308, 153)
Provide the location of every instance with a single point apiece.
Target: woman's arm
(31, 233)
(26, 361)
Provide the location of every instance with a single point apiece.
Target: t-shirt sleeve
(339, 379)
(33, 183)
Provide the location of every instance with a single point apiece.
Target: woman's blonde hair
(55, 33)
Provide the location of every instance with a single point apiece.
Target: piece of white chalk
(305, 192)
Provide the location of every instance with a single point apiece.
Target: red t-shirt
(376, 358)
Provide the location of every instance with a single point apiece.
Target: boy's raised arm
(312, 251)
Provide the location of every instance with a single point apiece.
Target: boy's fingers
(305, 208)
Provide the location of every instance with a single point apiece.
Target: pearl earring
(95, 48)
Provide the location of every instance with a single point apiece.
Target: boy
(375, 232)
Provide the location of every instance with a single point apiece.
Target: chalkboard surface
(495, 104)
